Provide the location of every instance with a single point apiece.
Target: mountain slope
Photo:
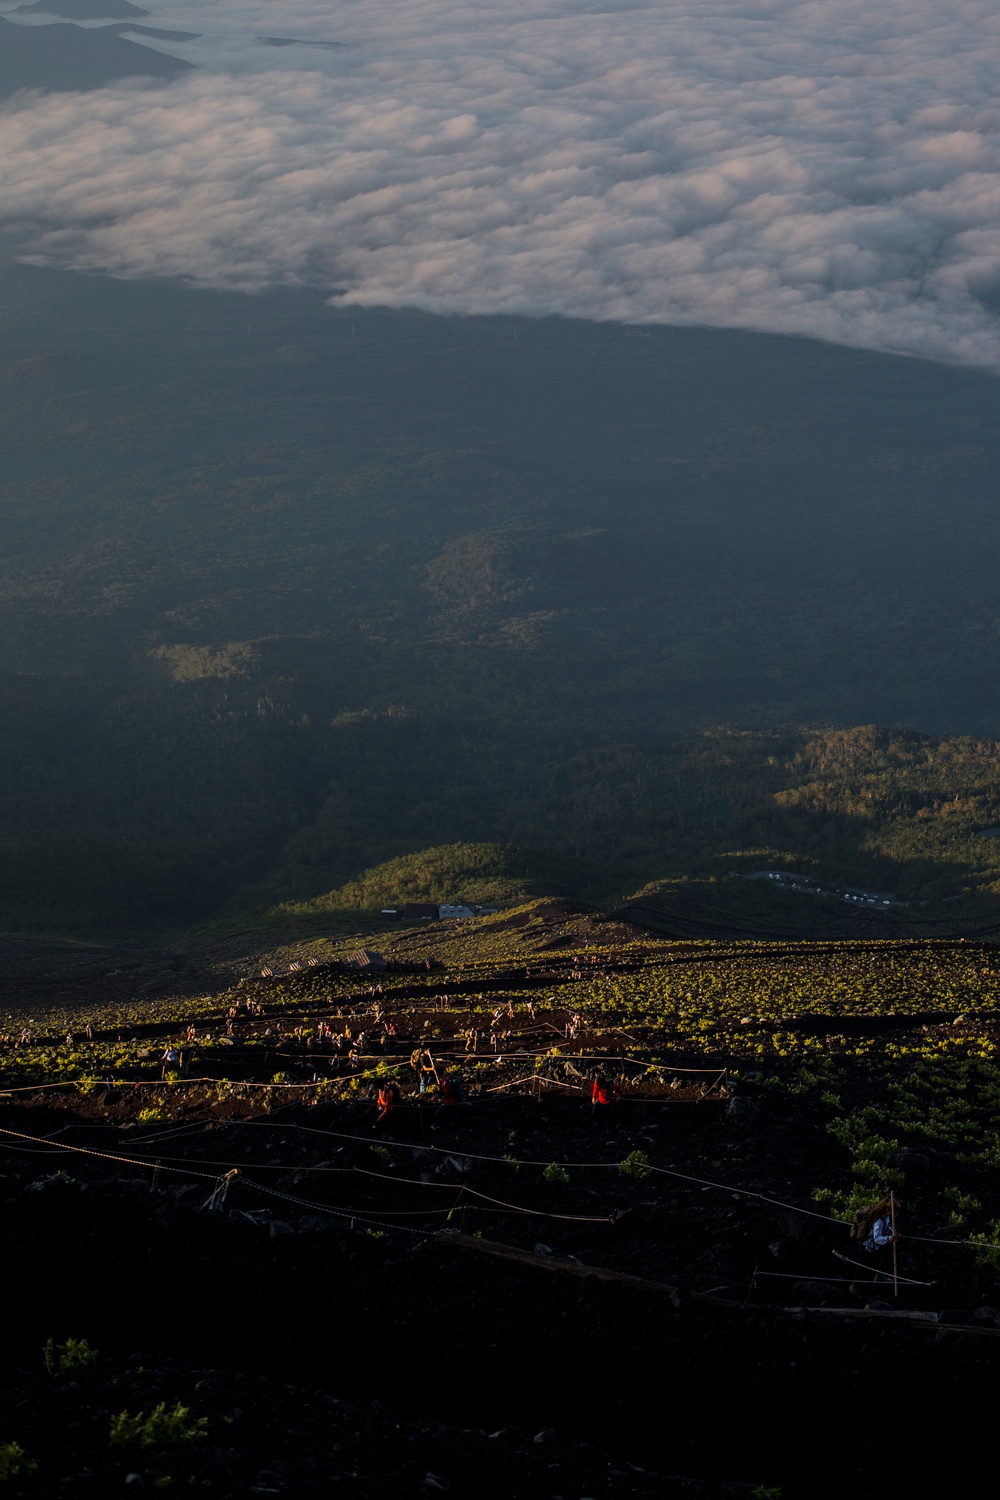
(62, 57)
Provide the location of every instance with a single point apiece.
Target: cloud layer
(829, 169)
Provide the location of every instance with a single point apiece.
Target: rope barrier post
(895, 1247)
(218, 1195)
(154, 1180)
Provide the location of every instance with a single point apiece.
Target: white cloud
(829, 169)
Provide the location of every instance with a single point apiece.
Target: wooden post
(895, 1258)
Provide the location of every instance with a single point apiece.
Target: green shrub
(14, 1462)
(635, 1165)
(152, 1116)
(75, 1354)
(157, 1428)
(988, 1246)
(555, 1173)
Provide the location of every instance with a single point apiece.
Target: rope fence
(178, 1165)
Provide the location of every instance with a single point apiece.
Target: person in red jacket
(603, 1095)
(450, 1096)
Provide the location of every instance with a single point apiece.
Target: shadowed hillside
(290, 593)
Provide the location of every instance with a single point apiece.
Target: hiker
(169, 1061)
(882, 1233)
(386, 1101)
(450, 1095)
(422, 1063)
(603, 1095)
(873, 1226)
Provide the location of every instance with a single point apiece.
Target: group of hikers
(435, 1078)
(448, 1088)
(354, 1044)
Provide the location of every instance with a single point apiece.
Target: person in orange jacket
(385, 1102)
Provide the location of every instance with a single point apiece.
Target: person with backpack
(882, 1233)
(876, 1230)
(423, 1069)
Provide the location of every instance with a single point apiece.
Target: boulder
(910, 1161)
(742, 1114)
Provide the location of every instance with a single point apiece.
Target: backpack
(864, 1220)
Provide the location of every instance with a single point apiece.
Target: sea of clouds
(825, 169)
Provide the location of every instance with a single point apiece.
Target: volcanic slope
(765, 1093)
